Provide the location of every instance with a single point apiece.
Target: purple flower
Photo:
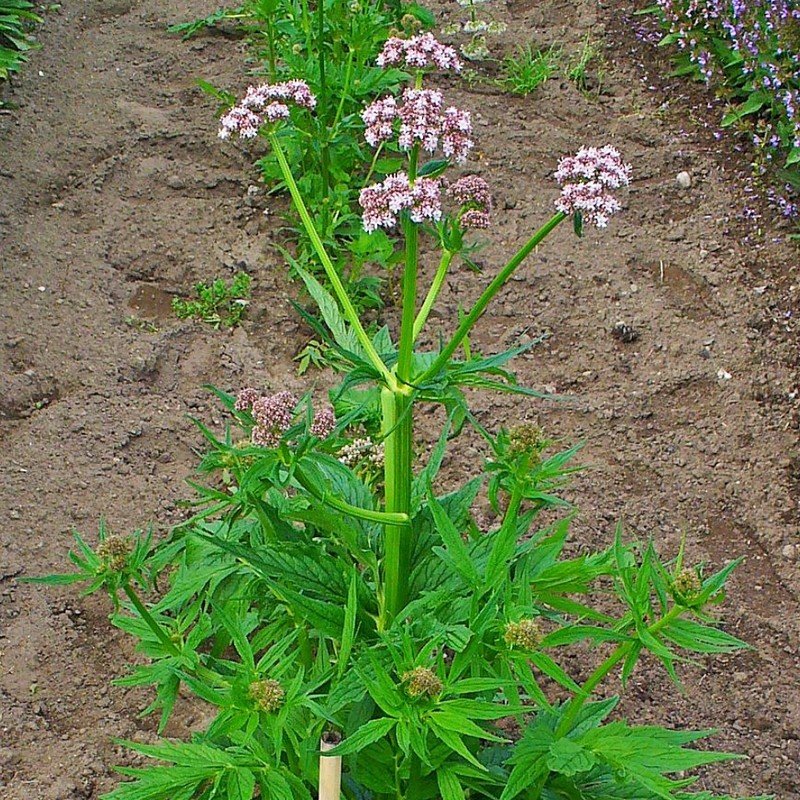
(273, 416)
(324, 423)
(419, 52)
(426, 202)
(585, 179)
(246, 398)
(473, 218)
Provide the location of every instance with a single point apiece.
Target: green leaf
(449, 785)
(793, 157)
(701, 638)
(241, 784)
(569, 758)
(455, 551)
(752, 105)
(342, 333)
(367, 734)
(349, 629)
(434, 168)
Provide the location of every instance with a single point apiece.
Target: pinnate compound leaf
(449, 785)
(569, 758)
(699, 638)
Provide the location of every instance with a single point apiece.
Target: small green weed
(529, 68)
(218, 303)
(578, 69)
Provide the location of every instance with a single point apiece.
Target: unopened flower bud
(114, 552)
(525, 634)
(422, 681)
(525, 438)
(267, 695)
(324, 423)
(686, 585)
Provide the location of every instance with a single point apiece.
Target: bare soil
(115, 194)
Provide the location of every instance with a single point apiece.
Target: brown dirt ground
(115, 194)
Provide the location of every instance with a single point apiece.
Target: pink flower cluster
(473, 195)
(274, 415)
(382, 202)
(419, 52)
(422, 121)
(324, 423)
(264, 103)
(585, 180)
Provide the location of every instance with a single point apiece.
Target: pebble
(176, 182)
(683, 179)
(789, 551)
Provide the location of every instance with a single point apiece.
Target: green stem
(348, 77)
(433, 293)
(154, 626)
(323, 104)
(345, 507)
(411, 230)
(488, 293)
(593, 681)
(397, 428)
(273, 72)
(330, 270)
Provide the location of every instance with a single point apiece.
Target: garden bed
(116, 195)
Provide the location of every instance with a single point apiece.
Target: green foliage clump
(220, 304)
(528, 68)
(15, 39)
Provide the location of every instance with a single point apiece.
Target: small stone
(625, 333)
(723, 375)
(684, 180)
(176, 182)
(789, 551)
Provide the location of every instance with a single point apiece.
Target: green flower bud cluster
(525, 634)
(422, 682)
(267, 695)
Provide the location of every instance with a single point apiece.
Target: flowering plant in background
(477, 26)
(329, 601)
(749, 52)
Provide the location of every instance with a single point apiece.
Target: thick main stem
(398, 539)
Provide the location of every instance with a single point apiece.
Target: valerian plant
(326, 591)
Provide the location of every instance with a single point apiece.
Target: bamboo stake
(330, 769)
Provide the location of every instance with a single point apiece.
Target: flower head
(382, 202)
(324, 423)
(267, 102)
(473, 195)
(423, 51)
(267, 695)
(246, 398)
(113, 551)
(422, 681)
(273, 416)
(586, 178)
(456, 133)
(525, 634)
(362, 451)
(687, 585)
(421, 121)
(379, 118)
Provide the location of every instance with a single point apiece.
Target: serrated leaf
(569, 758)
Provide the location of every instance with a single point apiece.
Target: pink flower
(383, 202)
(245, 399)
(273, 416)
(420, 52)
(379, 118)
(426, 200)
(264, 103)
(585, 179)
(324, 423)
(456, 132)
(241, 121)
(472, 193)
(473, 218)
(472, 189)
(421, 119)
